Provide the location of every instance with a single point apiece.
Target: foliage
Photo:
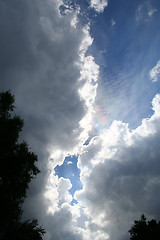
(143, 230)
(17, 168)
(28, 230)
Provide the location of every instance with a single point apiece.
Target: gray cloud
(42, 62)
(42, 56)
(61, 225)
(121, 186)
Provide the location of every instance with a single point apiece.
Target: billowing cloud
(45, 66)
(120, 175)
(40, 66)
(99, 5)
(44, 63)
(155, 72)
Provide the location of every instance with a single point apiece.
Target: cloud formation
(44, 61)
(155, 72)
(99, 5)
(43, 67)
(120, 175)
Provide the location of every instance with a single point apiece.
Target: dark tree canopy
(28, 230)
(143, 230)
(17, 168)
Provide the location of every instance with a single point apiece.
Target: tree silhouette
(28, 230)
(143, 230)
(17, 168)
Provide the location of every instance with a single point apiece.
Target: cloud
(151, 12)
(120, 175)
(144, 13)
(113, 23)
(139, 15)
(69, 162)
(43, 67)
(62, 224)
(155, 72)
(63, 186)
(44, 63)
(98, 5)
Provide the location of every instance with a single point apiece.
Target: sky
(86, 79)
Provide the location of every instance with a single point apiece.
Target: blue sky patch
(69, 170)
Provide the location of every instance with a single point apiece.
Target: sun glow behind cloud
(99, 119)
(82, 119)
(115, 145)
(111, 140)
(89, 72)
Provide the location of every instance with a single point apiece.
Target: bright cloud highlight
(99, 5)
(120, 174)
(47, 63)
(155, 72)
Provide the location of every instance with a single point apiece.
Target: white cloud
(45, 65)
(69, 162)
(120, 175)
(155, 72)
(99, 5)
(63, 186)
